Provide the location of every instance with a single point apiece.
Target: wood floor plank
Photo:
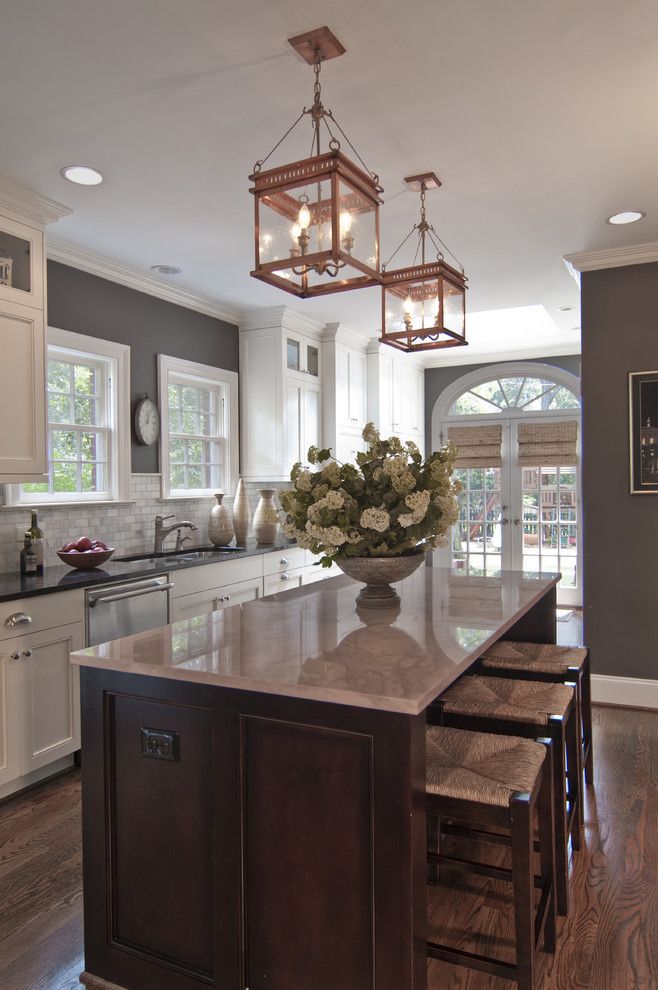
(607, 943)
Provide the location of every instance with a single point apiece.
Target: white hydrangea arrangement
(392, 503)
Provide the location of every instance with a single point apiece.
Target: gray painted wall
(619, 335)
(438, 379)
(87, 304)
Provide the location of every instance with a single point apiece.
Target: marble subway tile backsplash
(128, 526)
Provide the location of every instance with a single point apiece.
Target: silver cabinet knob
(283, 561)
(27, 654)
(228, 598)
(517, 522)
(504, 522)
(15, 656)
(285, 577)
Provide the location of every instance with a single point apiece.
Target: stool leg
(524, 886)
(546, 824)
(587, 722)
(433, 840)
(574, 775)
(558, 771)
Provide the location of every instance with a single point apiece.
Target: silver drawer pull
(18, 619)
(228, 598)
(283, 561)
(285, 577)
(27, 654)
(106, 599)
(15, 656)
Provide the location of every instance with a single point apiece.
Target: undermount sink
(175, 556)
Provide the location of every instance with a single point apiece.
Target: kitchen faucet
(162, 532)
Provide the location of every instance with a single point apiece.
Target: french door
(516, 517)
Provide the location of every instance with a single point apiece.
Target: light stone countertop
(310, 642)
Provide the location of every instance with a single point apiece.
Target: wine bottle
(36, 537)
(28, 558)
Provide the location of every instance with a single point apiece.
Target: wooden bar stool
(527, 708)
(548, 662)
(485, 780)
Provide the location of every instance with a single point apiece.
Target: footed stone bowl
(378, 574)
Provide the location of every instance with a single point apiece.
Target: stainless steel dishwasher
(116, 610)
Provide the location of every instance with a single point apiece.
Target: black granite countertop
(63, 578)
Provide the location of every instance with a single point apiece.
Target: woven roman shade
(542, 444)
(478, 445)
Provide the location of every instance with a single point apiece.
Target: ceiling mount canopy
(424, 305)
(317, 219)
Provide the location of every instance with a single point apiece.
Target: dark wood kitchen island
(254, 780)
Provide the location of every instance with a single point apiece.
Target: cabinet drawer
(274, 583)
(208, 577)
(284, 560)
(46, 612)
(315, 573)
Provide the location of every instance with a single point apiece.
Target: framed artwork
(643, 425)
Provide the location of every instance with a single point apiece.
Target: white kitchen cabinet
(274, 583)
(301, 420)
(50, 695)
(204, 602)
(396, 394)
(280, 392)
(10, 744)
(345, 393)
(23, 441)
(302, 357)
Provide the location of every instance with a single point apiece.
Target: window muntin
(525, 393)
(80, 423)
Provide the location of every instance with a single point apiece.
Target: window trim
(167, 366)
(119, 451)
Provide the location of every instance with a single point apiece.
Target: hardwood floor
(607, 943)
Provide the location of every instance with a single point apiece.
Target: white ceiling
(538, 116)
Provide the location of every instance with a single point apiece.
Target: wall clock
(147, 422)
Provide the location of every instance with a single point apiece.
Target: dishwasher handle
(106, 599)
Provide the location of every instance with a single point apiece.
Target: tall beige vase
(241, 514)
(266, 518)
(220, 527)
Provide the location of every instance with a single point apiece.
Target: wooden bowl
(87, 560)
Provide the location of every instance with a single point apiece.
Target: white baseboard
(629, 692)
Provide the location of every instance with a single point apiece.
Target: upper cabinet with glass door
(302, 357)
(21, 264)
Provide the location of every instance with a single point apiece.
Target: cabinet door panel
(292, 398)
(357, 389)
(51, 706)
(203, 603)
(9, 711)
(311, 399)
(22, 393)
(22, 248)
(236, 594)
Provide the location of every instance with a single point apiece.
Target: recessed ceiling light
(166, 269)
(565, 309)
(628, 216)
(82, 175)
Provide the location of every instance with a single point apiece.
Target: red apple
(99, 545)
(84, 543)
(68, 547)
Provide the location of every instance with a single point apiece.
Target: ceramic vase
(266, 517)
(378, 574)
(220, 527)
(241, 514)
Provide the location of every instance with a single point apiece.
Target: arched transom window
(524, 393)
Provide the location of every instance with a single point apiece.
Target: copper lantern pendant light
(317, 220)
(423, 306)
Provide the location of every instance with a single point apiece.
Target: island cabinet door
(242, 841)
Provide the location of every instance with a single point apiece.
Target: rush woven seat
(546, 658)
(499, 698)
(548, 662)
(475, 766)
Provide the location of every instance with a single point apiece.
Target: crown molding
(589, 261)
(24, 205)
(345, 335)
(132, 278)
(281, 317)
